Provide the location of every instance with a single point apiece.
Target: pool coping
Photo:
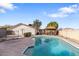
(70, 41)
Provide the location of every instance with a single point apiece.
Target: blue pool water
(51, 46)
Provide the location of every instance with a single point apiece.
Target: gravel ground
(15, 47)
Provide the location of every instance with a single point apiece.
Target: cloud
(6, 6)
(70, 9)
(2, 11)
(60, 15)
(65, 11)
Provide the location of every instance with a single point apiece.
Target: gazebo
(51, 30)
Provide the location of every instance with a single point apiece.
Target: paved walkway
(15, 47)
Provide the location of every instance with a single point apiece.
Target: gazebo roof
(51, 27)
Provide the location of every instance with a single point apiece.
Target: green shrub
(28, 34)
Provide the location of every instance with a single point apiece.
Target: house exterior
(20, 29)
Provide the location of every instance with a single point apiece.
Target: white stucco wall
(69, 33)
(20, 30)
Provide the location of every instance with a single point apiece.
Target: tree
(30, 24)
(7, 27)
(37, 24)
(53, 24)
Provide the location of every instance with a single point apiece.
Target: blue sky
(66, 14)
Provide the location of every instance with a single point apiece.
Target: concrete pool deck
(15, 47)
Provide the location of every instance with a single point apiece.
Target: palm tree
(37, 24)
(53, 24)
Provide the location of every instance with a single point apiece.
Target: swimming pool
(51, 46)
